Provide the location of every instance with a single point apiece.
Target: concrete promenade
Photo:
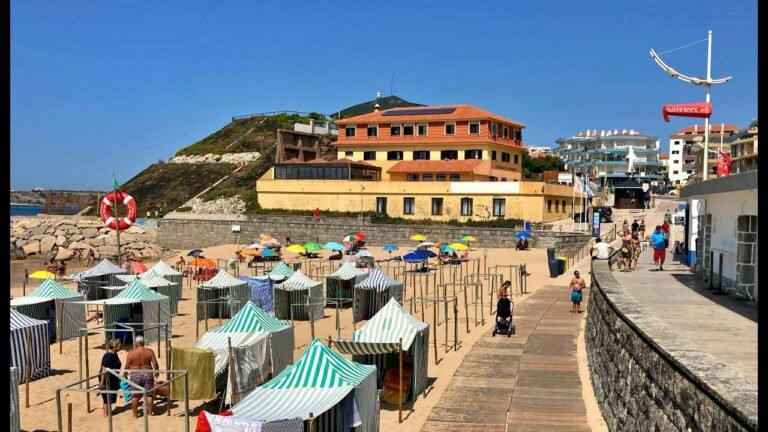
(529, 381)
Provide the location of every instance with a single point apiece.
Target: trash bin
(550, 253)
(553, 267)
(527, 226)
(563, 266)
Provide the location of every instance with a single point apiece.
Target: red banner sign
(723, 164)
(702, 110)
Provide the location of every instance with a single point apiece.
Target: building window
(675, 172)
(506, 131)
(350, 130)
(505, 157)
(474, 128)
(394, 155)
(449, 155)
(349, 153)
(549, 206)
(408, 130)
(441, 177)
(492, 178)
(519, 134)
(455, 177)
(437, 206)
(381, 205)
(499, 206)
(493, 154)
(473, 154)
(426, 177)
(675, 151)
(676, 162)
(504, 179)
(394, 130)
(563, 206)
(515, 158)
(466, 206)
(369, 155)
(450, 128)
(421, 155)
(494, 129)
(689, 172)
(408, 205)
(373, 130)
(557, 206)
(421, 129)
(413, 177)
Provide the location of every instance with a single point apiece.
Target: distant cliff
(28, 197)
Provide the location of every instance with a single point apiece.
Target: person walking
(626, 251)
(635, 226)
(577, 284)
(625, 225)
(143, 358)
(635, 250)
(665, 231)
(659, 248)
(641, 230)
(316, 214)
(108, 381)
(603, 252)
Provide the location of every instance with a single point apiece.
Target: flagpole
(117, 219)
(573, 200)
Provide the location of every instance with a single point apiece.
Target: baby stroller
(504, 324)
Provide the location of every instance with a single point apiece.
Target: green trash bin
(561, 265)
(564, 259)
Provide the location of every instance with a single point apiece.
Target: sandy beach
(41, 415)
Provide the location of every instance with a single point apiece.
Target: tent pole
(27, 368)
(58, 409)
(311, 423)
(60, 328)
(329, 341)
(311, 319)
(87, 370)
(205, 306)
(233, 381)
(158, 330)
(435, 327)
(400, 395)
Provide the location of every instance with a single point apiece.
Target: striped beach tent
(321, 382)
(373, 293)
(56, 304)
(14, 402)
(24, 328)
(378, 339)
(102, 274)
(137, 303)
(173, 275)
(340, 284)
(222, 285)
(261, 291)
(155, 281)
(298, 289)
(281, 271)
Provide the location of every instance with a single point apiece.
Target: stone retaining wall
(647, 378)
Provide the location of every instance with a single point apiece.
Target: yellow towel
(199, 363)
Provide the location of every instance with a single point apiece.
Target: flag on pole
(115, 184)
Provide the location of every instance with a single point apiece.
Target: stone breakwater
(45, 237)
(232, 205)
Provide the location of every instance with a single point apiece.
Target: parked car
(606, 214)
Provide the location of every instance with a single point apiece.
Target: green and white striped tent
(222, 285)
(171, 274)
(155, 281)
(317, 383)
(297, 289)
(378, 338)
(137, 302)
(340, 284)
(102, 274)
(281, 271)
(56, 304)
(373, 293)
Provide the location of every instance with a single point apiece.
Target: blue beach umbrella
(269, 253)
(447, 249)
(523, 235)
(334, 246)
(389, 247)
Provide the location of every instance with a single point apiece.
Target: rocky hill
(28, 197)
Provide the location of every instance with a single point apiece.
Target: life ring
(105, 210)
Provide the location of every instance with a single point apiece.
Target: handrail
(585, 250)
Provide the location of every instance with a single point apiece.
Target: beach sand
(42, 415)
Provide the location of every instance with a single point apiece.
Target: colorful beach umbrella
(312, 246)
(389, 247)
(255, 246)
(269, 253)
(138, 267)
(334, 246)
(447, 249)
(42, 274)
(425, 244)
(271, 243)
(360, 236)
(418, 237)
(459, 246)
(467, 238)
(350, 238)
(252, 252)
(202, 262)
(195, 253)
(296, 248)
(523, 235)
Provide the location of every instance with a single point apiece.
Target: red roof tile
(452, 166)
(461, 112)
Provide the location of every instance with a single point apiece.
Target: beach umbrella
(418, 237)
(523, 235)
(467, 238)
(459, 246)
(255, 246)
(195, 253)
(425, 244)
(271, 244)
(350, 238)
(415, 256)
(312, 246)
(138, 267)
(252, 252)
(42, 274)
(334, 246)
(447, 249)
(202, 262)
(296, 248)
(441, 245)
(389, 247)
(364, 253)
(269, 253)
(360, 236)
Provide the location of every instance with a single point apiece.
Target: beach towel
(126, 388)
(199, 364)
(391, 389)
(252, 366)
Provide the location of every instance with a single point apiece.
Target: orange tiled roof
(452, 166)
(461, 112)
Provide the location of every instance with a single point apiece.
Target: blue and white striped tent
(373, 293)
(137, 302)
(56, 304)
(22, 327)
(340, 284)
(155, 281)
(296, 290)
(102, 274)
(169, 273)
(379, 337)
(262, 291)
(318, 383)
(222, 285)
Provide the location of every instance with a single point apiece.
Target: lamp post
(362, 188)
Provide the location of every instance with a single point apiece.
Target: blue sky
(103, 87)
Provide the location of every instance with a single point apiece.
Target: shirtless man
(577, 284)
(142, 357)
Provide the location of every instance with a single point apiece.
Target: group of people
(58, 269)
(522, 244)
(631, 247)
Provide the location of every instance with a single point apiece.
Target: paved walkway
(529, 381)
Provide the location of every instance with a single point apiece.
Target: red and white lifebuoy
(105, 210)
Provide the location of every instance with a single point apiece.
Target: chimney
(312, 126)
(376, 107)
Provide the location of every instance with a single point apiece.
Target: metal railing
(584, 251)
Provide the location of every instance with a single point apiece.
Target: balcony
(608, 151)
(610, 163)
(648, 163)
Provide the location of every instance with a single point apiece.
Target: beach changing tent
(296, 290)
(137, 304)
(153, 280)
(261, 290)
(376, 343)
(246, 327)
(39, 347)
(55, 304)
(169, 273)
(14, 402)
(374, 292)
(323, 383)
(281, 271)
(102, 274)
(222, 286)
(340, 284)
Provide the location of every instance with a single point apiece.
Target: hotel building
(684, 158)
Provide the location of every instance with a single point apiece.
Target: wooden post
(205, 307)
(232, 379)
(158, 329)
(329, 341)
(311, 319)
(27, 366)
(60, 326)
(87, 369)
(466, 308)
(434, 326)
(400, 394)
(69, 417)
(311, 421)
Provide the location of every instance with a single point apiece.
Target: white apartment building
(682, 160)
(538, 151)
(612, 156)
